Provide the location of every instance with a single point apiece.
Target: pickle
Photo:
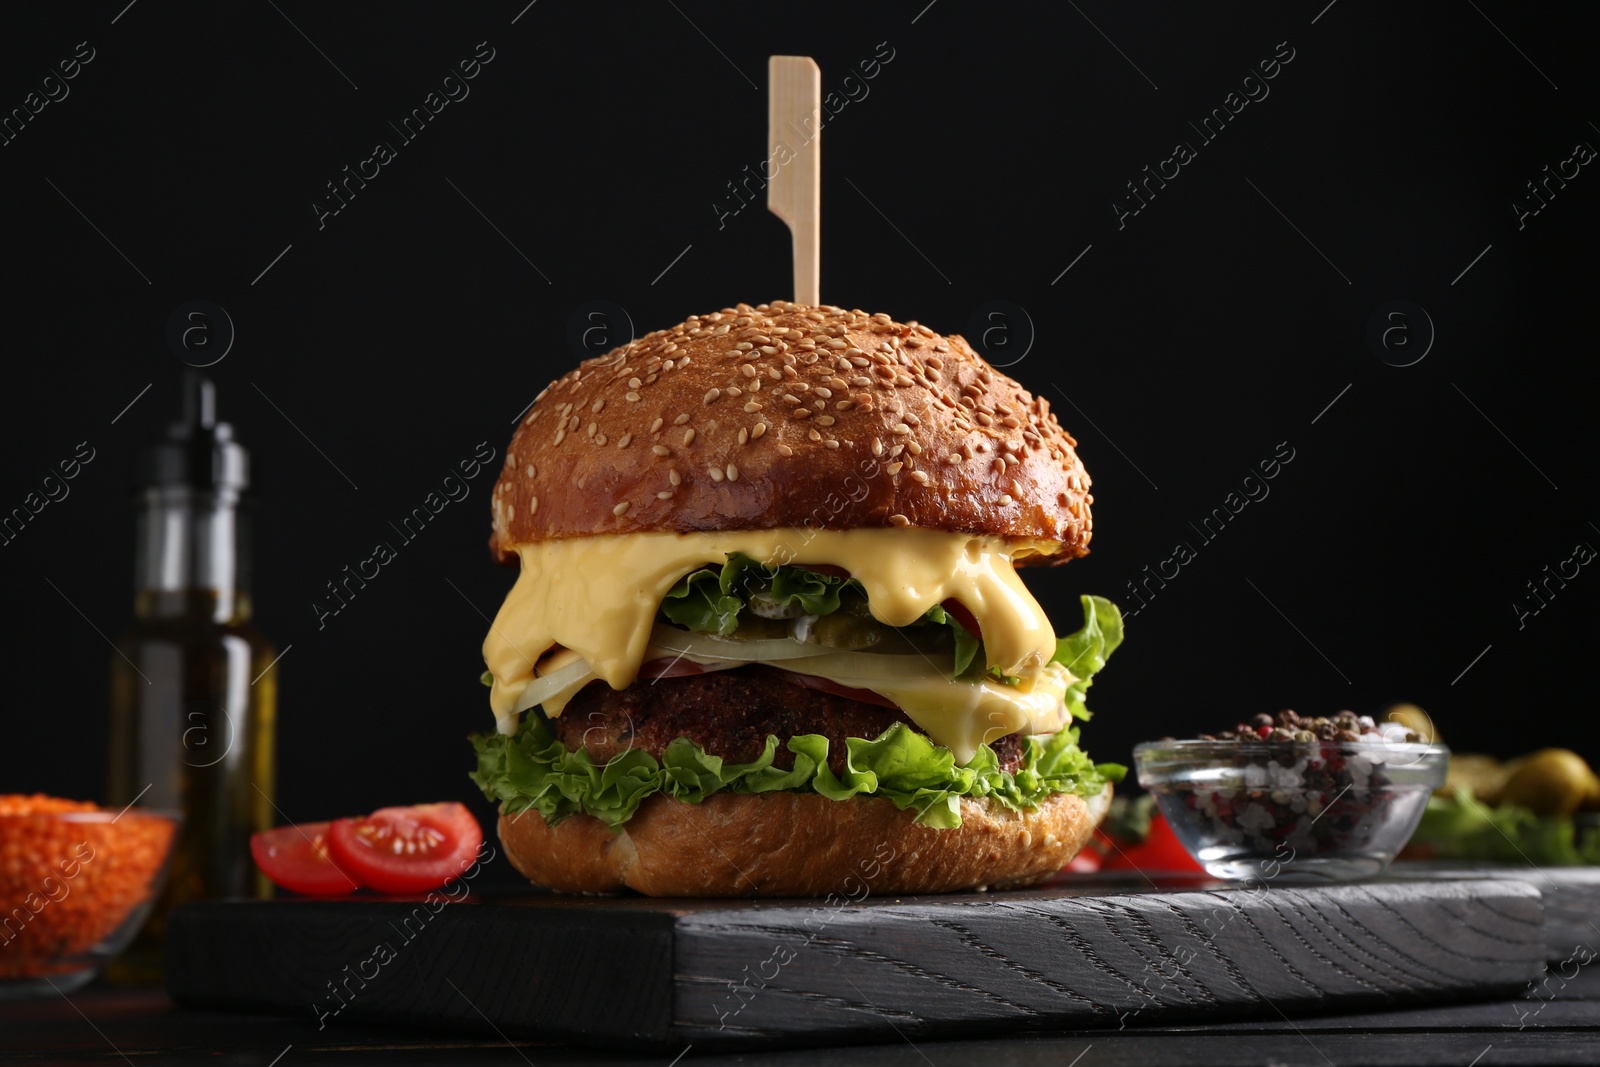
(843, 631)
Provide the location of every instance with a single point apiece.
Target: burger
(768, 636)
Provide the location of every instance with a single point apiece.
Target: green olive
(1484, 776)
(1554, 781)
(1416, 720)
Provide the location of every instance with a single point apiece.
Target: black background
(982, 162)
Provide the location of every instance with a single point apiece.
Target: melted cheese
(598, 597)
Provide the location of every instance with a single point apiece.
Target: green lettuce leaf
(1084, 653)
(534, 770)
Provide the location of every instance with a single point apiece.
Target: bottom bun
(799, 844)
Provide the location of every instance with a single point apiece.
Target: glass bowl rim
(1197, 746)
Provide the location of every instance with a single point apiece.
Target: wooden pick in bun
(839, 428)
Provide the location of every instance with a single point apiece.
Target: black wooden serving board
(668, 973)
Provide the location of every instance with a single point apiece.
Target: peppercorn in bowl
(76, 883)
(1290, 799)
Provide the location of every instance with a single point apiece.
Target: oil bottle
(193, 685)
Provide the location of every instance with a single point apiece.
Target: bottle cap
(198, 452)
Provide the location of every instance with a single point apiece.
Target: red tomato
(1085, 862)
(407, 850)
(812, 681)
(670, 668)
(958, 611)
(1159, 851)
(296, 858)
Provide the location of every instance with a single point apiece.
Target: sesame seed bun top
(783, 415)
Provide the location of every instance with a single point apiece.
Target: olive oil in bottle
(193, 685)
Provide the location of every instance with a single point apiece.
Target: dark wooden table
(1556, 1024)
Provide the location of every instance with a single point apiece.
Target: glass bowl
(1290, 811)
(75, 886)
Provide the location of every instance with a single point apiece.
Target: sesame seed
(785, 450)
(984, 420)
(900, 427)
(824, 420)
(681, 419)
(597, 405)
(533, 504)
(600, 439)
(622, 442)
(814, 435)
(511, 512)
(877, 447)
(830, 443)
(561, 435)
(734, 391)
(1005, 499)
(757, 430)
(634, 383)
(674, 477)
(801, 413)
(593, 426)
(845, 405)
(655, 427)
(528, 470)
(768, 350)
(953, 458)
(733, 473)
(744, 435)
(688, 436)
(790, 398)
(834, 342)
(899, 520)
(715, 472)
(753, 406)
(572, 423)
(712, 394)
(894, 468)
(620, 509)
(824, 392)
(632, 398)
(774, 374)
(664, 495)
(921, 477)
(661, 450)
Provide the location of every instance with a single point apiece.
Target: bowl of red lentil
(76, 883)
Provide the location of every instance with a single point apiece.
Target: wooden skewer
(794, 149)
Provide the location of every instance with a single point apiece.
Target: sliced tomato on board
(296, 858)
(407, 850)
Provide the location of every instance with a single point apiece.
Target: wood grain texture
(641, 972)
(1035, 961)
(1571, 900)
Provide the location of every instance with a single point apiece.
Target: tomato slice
(670, 668)
(828, 685)
(296, 858)
(958, 611)
(407, 850)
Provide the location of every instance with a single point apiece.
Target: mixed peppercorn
(1296, 785)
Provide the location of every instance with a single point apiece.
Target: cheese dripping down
(598, 596)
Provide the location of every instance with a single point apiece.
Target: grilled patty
(729, 713)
